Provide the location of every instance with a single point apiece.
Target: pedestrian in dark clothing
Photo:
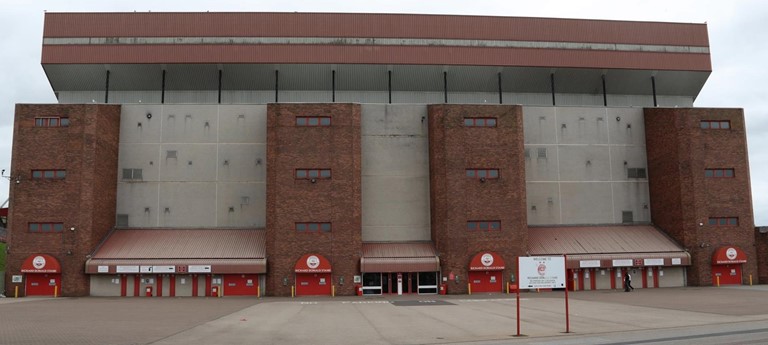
(628, 282)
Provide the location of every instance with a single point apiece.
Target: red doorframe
(207, 291)
(136, 285)
(123, 285)
(724, 271)
(481, 281)
(581, 279)
(314, 284)
(655, 277)
(159, 285)
(613, 278)
(644, 272)
(172, 286)
(194, 285)
(593, 278)
(39, 284)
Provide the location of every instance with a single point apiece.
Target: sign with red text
(541, 272)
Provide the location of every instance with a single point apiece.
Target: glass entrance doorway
(398, 283)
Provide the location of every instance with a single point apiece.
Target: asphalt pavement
(695, 315)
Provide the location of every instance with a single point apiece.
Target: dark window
(313, 227)
(627, 217)
(480, 122)
(483, 225)
(724, 221)
(728, 172)
(53, 174)
(122, 220)
(313, 121)
(133, 174)
(636, 173)
(51, 122)
(715, 124)
(313, 173)
(46, 227)
(483, 173)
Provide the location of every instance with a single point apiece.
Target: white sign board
(164, 269)
(589, 263)
(15, 279)
(542, 272)
(622, 263)
(199, 269)
(146, 269)
(103, 269)
(127, 269)
(653, 262)
(677, 261)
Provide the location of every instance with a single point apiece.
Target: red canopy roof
(729, 255)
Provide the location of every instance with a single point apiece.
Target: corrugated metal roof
(183, 244)
(218, 266)
(399, 257)
(599, 240)
(606, 244)
(399, 250)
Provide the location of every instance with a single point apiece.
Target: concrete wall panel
(586, 203)
(190, 124)
(140, 202)
(543, 203)
(242, 124)
(188, 204)
(241, 204)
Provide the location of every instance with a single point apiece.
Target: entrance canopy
(399, 257)
(214, 251)
(729, 255)
(607, 246)
(486, 261)
(40, 263)
(312, 263)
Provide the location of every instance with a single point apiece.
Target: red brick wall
(456, 199)
(761, 243)
(682, 198)
(85, 200)
(289, 200)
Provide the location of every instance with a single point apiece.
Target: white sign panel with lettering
(103, 269)
(127, 269)
(164, 269)
(199, 269)
(542, 272)
(589, 263)
(622, 263)
(653, 262)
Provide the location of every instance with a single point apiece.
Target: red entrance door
(43, 284)
(241, 284)
(313, 284)
(729, 274)
(486, 281)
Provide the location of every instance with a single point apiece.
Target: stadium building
(205, 154)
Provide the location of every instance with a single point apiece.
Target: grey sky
(736, 31)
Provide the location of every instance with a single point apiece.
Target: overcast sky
(737, 33)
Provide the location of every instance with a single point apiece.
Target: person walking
(628, 282)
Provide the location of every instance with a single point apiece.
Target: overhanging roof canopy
(399, 257)
(223, 250)
(79, 49)
(607, 246)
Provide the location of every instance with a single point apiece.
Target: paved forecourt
(378, 320)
